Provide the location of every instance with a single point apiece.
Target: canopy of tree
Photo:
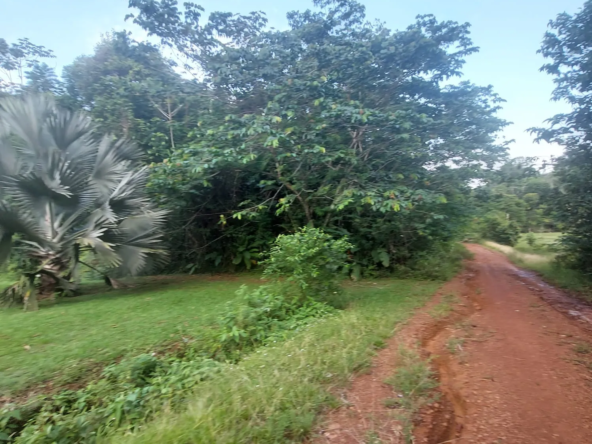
(569, 47)
(334, 122)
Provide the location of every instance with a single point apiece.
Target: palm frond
(9, 161)
(14, 221)
(138, 242)
(130, 193)
(73, 133)
(64, 187)
(26, 117)
(5, 246)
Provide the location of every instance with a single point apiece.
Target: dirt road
(514, 362)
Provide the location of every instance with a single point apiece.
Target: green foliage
(275, 393)
(568, 48)
(126, 394)
(415, 383)
(70, 341)
(16, 59)
(413, 378)
(382, 152)
(133, 390)
(500, 230)
(555, 270)
(439, 263)
(68, 191)
(539, 243)
(16, 293)
(311, 261)
(444, 308)
(519, 193)
(303, 269)
(531, 240)
(265, 315)
(43, 79)
(132, 91)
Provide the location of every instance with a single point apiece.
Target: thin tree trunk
(30, 296)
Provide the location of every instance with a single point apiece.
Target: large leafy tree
(132, 91)
(568, 46)
(41, 78)
(67, 190)
(335, 123)
(15, 59)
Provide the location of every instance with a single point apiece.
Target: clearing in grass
(545, 244)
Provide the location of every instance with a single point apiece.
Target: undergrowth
(442, 263)
(261, 374)
(444, 307)
(129, 393)
(132, 391)
(275, 393)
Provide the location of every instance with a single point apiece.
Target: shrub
(303, 269)
(310, 262)
(266, 315)
(501, 231)
(441, 263)
(531, 240)
(127, 393)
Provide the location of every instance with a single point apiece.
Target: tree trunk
(50, 276)
(47, 284)
(30, 295)
(31, 303)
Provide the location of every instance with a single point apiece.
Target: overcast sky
(508, 32)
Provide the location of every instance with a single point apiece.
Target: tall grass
(275, 394)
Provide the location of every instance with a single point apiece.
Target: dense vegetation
(334, 122)
(123, 396)
(67, 190)
(515, 198)
(568, 47)
(332, 148)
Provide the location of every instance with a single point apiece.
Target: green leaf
(384, 258)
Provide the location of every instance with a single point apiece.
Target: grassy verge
(544, 243)
(65, 340)
(275, 393)
(544, 264)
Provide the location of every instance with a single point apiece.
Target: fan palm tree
(66, 189)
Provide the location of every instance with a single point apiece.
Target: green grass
(276, 393)
(545, 243)
(67, 339)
